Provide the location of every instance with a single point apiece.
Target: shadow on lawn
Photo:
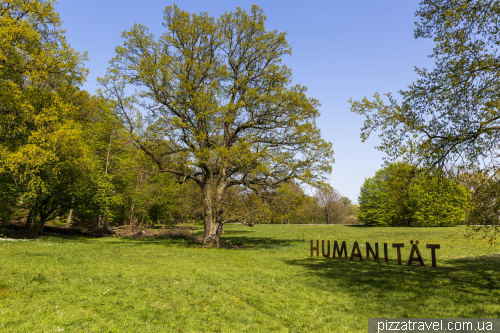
(173, 240)
(260, 242)
(184, 240)
(466, 287)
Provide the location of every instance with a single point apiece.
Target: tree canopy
(401, 194)
(218, 106)
(450, 117)
(41, 147)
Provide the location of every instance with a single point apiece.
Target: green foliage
(222, 110)
(401, 194)
(40, 144)
(483, 216)
(438, 201)
(450, 116)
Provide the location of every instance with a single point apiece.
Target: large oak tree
(215, 105)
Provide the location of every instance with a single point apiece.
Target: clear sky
(341, 50)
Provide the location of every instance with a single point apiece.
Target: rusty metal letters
(370, 253)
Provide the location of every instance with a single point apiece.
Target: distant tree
(222, 110)
(335, 208)
(287, 203)
(400, 194)
(484, 214)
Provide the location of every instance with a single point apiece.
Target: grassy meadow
(82, 284)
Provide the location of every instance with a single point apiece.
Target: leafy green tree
(450, 116)
(40, 145)
(400, 194)
(221, 108)
(484, 214)
(286, 203)
(438, 201)
(381, 199)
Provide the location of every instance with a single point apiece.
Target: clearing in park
(267, 283)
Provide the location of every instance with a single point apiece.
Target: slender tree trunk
(108, 155)
(33, 228)
(68, 221)
(58, 211)
(133, 201)
(29, 220)
(40, 225)
(142, 220)
(70, 215)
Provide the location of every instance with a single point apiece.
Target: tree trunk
(210, 236)
(220, 228)
(212, 213)
(142, 220)
(57, 216)
(33, 228)
(68, 221)
(29, 221)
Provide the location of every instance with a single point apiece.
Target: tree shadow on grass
(260, 242)
(235, 232)
(228, 241)
(466, 287)
(169, 240)
(359, 226)
(165, 240)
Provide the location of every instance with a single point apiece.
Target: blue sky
(341, 50)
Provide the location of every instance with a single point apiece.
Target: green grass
(171, 285)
